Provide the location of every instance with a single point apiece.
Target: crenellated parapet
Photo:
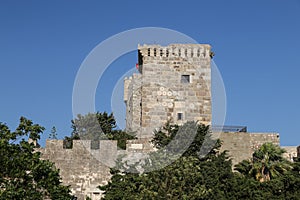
(83, 167)
(176, 50)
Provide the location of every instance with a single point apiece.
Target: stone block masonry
(80, 166)
(83, 168)
(241, 145)
(174, 85)
(291, 152)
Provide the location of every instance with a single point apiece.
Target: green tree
(23, 175)
(93, 126)
(53, 134)
(267, 162)
(97, 126)
(285, 186)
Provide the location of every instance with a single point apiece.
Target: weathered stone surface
(81, 167)
(291, 152)
(241, 145)
(173, 79)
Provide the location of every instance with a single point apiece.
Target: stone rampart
(241, 145)
(81, 167)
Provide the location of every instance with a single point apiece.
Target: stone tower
(173, 84)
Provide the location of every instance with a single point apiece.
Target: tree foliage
(23, 175)
(97, 126)
(267, 175)
(267, 163)
(53, 134)
(93, 126)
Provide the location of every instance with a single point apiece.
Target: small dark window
(95, 144)
(148, 51)
(154, 51)
(161, 52)
(179, 116)
(67, 143)
(185, 78)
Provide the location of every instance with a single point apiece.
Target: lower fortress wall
(84, 168)
(241, 145)
(79, 166)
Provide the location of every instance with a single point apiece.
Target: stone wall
(291, 152)
(241, 145)
(84, 168)
(132, 99)
(140, 145)
(81, 167)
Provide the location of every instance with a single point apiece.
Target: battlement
(82, 167)
(110, 146)
(176, 50)
(80, 144)
(85, 168)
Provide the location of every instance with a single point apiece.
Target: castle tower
(173, 84)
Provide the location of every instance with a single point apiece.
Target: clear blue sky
(257, 46)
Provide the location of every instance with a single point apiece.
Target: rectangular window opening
(185, 78)
(95, 144)
(179, 116)
(68, 143)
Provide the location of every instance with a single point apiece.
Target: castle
(173, 84)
